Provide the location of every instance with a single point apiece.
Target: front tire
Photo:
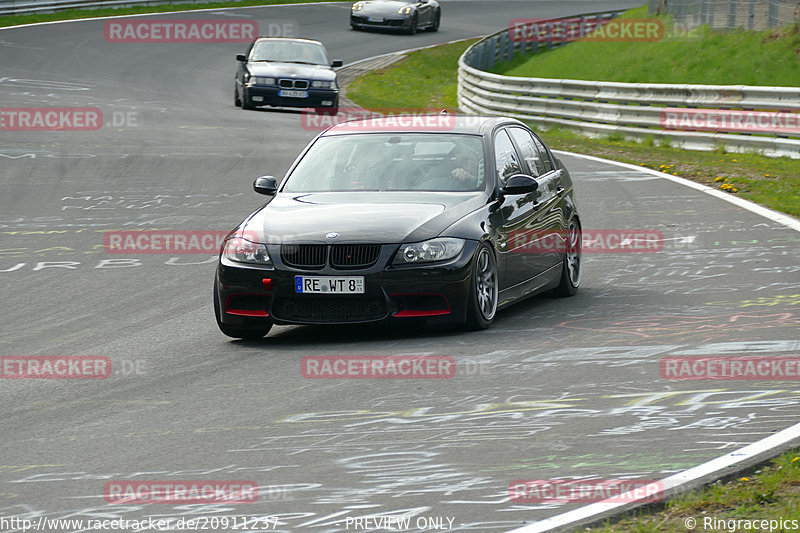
(572, 266)
(247, 103)
(412, 28)
(483, 289)
(236, 100)
(238, 332)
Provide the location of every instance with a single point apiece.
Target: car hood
(381, 8)
(290, 70)
(375, 217)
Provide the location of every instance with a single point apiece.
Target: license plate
(293, 94)
(329, 285)
(375, 19)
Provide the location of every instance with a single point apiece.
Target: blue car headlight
(439, 249)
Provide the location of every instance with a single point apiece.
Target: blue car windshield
(289, 52)
(391, 162)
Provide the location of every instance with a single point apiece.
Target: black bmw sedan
(286, 73)
(403, 15)
(438, 218)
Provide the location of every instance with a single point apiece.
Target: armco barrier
(20, 7)
(633, 110)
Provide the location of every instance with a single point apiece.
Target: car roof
(421, 123)
(288, 39)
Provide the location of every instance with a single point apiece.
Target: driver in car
(466, 172)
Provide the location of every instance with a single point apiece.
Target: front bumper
(397, 22)
(436, 293)
(268, 95)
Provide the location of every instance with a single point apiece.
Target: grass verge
(771, 493)
(702, 56)
(71, 14)
(428, 78)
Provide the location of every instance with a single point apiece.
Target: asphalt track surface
(558, 388)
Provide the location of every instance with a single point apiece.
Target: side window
(548, 164)
(532, 150)
(505, 157)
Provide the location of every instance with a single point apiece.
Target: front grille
(354, 255)
(308, 256)
(329, 309)
(342, 256)
(286, 83)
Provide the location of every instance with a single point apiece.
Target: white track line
(692, 478)
(775, 216)
(706, 472)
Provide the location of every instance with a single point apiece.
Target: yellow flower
(745, 479)
(796, 459)
(718, 178)
(735, 189)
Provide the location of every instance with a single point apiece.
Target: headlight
(358, 6)
(405, 10)
(440, 249)
(243, 251)
(260, 80)
(321, 84)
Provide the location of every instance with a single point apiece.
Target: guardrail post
(772, 14)
(731, 14)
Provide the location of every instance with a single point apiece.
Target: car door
(517, 215)
(542, 243)
(425, 11)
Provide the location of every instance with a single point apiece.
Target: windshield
(391, 162)
(289, 52)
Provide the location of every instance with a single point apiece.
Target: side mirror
(520, 184)
(337, 63)
(266, 185)
(241, 57)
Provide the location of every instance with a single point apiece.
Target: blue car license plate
(287, 93)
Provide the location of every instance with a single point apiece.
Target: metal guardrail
(21, 7)
(750, 14)
(598, 108)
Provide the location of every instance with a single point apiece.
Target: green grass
(70, 14)
(772, 493)
(428, 78)
(425, 79)
(705, 56)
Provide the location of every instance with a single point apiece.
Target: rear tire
(572, 266)
(483, 289)
(238, 332)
